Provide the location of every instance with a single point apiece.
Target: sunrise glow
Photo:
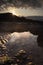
(13, 11)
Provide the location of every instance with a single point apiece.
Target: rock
(21, 54)
(30, 63)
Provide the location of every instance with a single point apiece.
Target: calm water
(21, 41)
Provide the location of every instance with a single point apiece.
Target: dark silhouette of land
(12, 23)
(39, 18)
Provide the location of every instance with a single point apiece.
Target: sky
(22, 7)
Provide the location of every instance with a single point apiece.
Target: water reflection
(22, 41)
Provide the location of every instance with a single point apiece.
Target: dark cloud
(22, 3)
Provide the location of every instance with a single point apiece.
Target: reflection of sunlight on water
(21, 41)
(23, 35)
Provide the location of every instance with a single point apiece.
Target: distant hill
(8, 17)
(39, 18)
(11, 18)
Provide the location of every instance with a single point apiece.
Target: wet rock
(21, 54)
(30, 63)
(20, 57)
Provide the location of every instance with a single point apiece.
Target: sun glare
(13, 11)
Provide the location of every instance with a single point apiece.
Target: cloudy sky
(22, 7)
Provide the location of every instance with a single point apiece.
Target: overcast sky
(22, 7)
